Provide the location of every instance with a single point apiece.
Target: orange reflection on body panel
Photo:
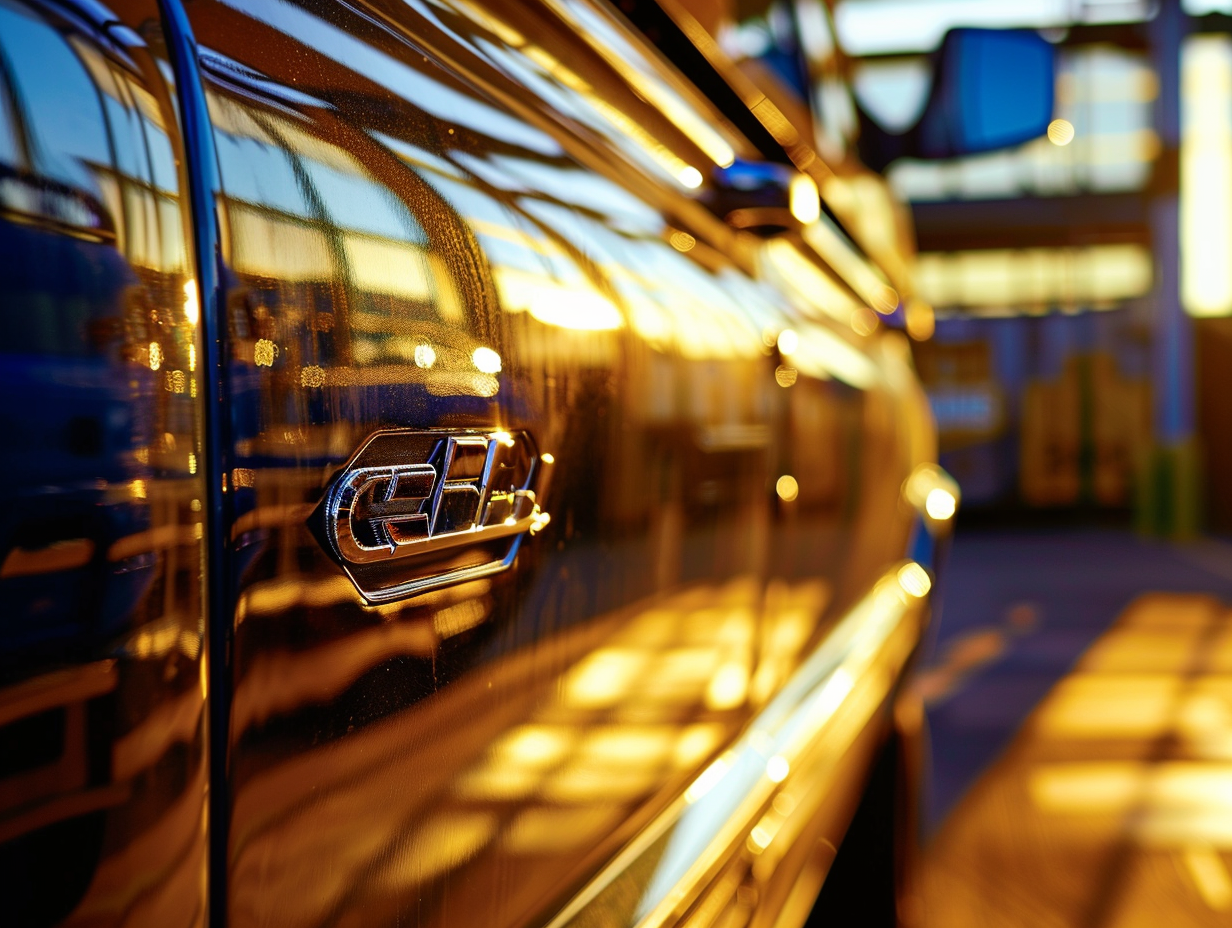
(552, 773)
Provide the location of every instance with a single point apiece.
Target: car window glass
(49, 79)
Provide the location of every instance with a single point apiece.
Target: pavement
(1079, 702)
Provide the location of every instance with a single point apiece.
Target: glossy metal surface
(419, 494)
(102, 691)
(467, 221)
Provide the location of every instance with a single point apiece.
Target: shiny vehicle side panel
(103, 781)
(468, 220)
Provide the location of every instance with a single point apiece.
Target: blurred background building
(1072, 322)
(1081, 282)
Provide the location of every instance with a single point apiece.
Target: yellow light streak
(805, 200)
(777, 768)
(940, 504)
(192, 308)
(1210, 875)
(914, 579)
(1206, 175)
(486, 360)
(708, 779)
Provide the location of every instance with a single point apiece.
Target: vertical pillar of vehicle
(1168, 481)
(202, 178)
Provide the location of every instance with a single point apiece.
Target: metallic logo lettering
(413, 511)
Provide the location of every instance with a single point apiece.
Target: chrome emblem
(413, 511)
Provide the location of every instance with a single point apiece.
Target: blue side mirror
(993, 89)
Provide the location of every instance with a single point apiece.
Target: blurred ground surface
(1111, 802)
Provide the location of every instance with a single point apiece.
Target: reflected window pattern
(102, 692)
(397, 257)
(645, 700)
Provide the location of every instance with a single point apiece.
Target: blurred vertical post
(1168, 484)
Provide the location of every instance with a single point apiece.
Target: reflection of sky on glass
(359, 203)
(713, 314)
(431, 95)
(60, 99)
(8, 138)
(419, 157)
(258, 172)
(596, 239)
(589, 191)
(162, 159)
(472, 204)
(521, 69)
(131, 157)
(568, 102)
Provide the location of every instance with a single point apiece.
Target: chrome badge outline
(406, 494)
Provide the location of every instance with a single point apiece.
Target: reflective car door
(103, 755)
(511, 559)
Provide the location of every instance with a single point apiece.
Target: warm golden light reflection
(804, 199)
(547, 458)
(652, 84)
(759, 839)
(533, 746)
(1210, 875)
(629, 745)
(787, 488)
(440, 844)
(425, 356)
(500, 783)
(576, 306)
(921, 320)
(708, 780)
(785, 376)
(581, 782)
(1109, 706)
(263, 353)
(864, 322)
(914, 579)
(1060, 132)
(815, 289)
(940, 504)
(682, 241)
(553, 830)
(788, 341)
(841, 683)
(486, 360)
(695, 742)
(689, 176)
(777, 768)
(156, 356)
(1019, 279)
(1131, 756)
(604, 677)
(1206, 175)
(192, 305)
(728, 687)
(932, 491)
(862, 276)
